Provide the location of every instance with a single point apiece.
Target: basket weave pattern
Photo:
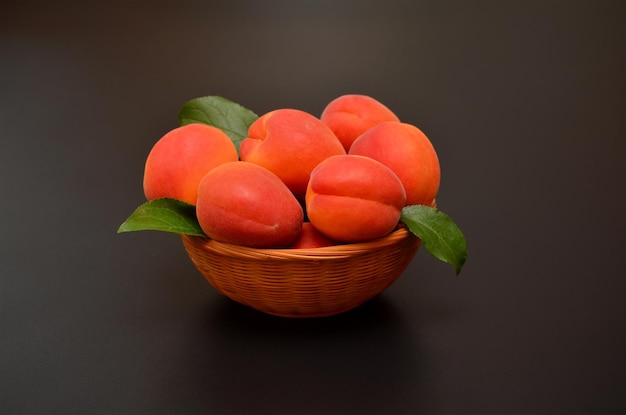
(303, 282)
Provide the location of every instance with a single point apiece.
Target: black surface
(525, 103)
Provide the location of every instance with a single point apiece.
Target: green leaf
(168, 215)
(219, 112)
(439, 234)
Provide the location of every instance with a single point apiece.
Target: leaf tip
(123, 228)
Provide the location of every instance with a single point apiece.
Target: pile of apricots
(298, 180)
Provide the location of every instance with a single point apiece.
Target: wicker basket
(303, 282)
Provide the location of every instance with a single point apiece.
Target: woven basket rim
(327, 252)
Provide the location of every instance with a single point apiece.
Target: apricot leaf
(439, 234)
(167, 215)
(221, 113)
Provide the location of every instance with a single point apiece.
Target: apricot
(349, 116)
(245, 204)
(310, 237)
(354, 198)
(407, 151)
(180, 159)
(290, 143)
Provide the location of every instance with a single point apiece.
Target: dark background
(525, 103)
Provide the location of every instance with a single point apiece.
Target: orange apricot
(310, 237)
(180, 159)
(354, 198)
(245, 204)
(290, 143)
(407, 151)
(349, 116)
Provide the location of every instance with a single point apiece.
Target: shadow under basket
(303, 282)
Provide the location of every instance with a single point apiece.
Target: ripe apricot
(290, 143)
(354, 198)
(407, 151)
(349, 116)
(310, 237)
(178, 161)
(245, 204)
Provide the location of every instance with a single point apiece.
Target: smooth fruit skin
(407, 151)
(290, 143)
(349, 116)
(354, 198)
(180, 159)
(245, 204)
(310, 237)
